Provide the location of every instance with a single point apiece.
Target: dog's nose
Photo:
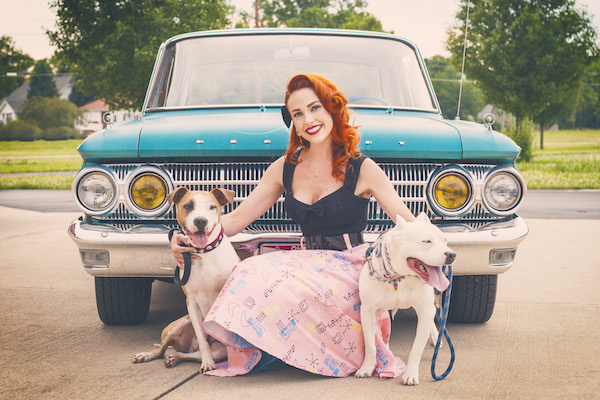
(450, 257)
(200, 223)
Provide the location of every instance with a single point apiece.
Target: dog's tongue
(200, 240)
(437, 279)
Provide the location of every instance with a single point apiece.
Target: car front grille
(409, 179)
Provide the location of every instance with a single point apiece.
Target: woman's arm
(372, 181)
(265, 194)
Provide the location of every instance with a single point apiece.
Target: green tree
(348, 14)
(111, 45)
(48, 113)
(42, 81)
(445, 80)
(11, 61)
(523, 53)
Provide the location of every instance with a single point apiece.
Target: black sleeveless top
(335, 214)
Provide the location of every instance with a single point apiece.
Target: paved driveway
(541, 343)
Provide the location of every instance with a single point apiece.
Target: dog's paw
(365, 371)
(171, 360)
(207, 365)
(410, 378)
(144, 357)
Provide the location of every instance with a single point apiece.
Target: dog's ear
(175, 196)
(223, 196)
(400, 222)
(423, 217)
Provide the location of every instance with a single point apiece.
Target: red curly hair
(345, 137)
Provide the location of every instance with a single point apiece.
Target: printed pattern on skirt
(302, 307)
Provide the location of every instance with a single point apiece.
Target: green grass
(39, 148)
(570, 160)
(42, 164)
(54, 182)
(568, 137)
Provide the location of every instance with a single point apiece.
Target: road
(540, 343)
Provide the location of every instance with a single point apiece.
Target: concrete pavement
(540, 343)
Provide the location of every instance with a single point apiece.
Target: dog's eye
(188, 206)
(427, 241)
(213, 207)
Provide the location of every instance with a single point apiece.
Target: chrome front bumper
(145, 250)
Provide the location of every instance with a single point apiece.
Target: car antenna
(462, 72)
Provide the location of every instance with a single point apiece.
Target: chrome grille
(409, 179)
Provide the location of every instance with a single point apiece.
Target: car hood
(260, 133)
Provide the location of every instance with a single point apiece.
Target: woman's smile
(313, 130)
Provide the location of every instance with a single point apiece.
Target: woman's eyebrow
(308, 106)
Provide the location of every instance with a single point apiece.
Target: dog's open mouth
(432, 275)
(199, 239)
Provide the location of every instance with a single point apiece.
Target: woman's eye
(315, 107)
(296, 115)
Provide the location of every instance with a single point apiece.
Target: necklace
(316, 170)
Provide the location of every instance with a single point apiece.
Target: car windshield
(254, 69)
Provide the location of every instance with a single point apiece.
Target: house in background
(10, 105)
(93, 119)
(94, 112)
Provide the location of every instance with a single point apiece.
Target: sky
(424, 22)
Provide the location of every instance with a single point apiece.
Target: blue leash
(441, 316)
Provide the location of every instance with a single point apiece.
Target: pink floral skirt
(302, 307)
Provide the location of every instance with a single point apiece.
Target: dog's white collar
(379, 263)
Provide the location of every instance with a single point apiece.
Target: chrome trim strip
(145, 251)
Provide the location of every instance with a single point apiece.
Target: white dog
(402, 268)
(199, 214)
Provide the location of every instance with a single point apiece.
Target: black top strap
(353, 171)
(288, 173)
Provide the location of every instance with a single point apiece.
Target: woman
(303, 307)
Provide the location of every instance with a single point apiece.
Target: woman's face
(310, 118)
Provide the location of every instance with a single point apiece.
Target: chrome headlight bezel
(444, 172)
(520, 185)
(145, 170)
(85, 173)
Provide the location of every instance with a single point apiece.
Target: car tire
(123, 301)
(473, 298)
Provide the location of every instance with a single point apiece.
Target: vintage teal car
(212, 117)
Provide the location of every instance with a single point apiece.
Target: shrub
(20, 130)
(523, 137)
(60, 133)
(50, 113)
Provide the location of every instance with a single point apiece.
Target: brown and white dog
(401, 270)
(199, 215)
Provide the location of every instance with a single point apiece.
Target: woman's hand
(179, 246)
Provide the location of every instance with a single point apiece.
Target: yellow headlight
(452, 192)
(148, 192)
